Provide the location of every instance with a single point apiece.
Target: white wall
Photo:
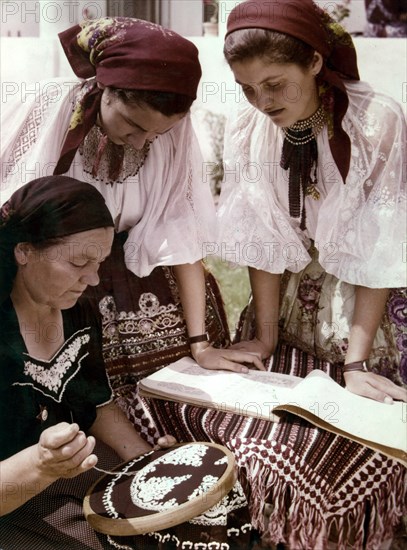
(185, 17)
(46, 18)
(46, 60)
(382, 62)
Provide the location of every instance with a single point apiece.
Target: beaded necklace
(300, 157)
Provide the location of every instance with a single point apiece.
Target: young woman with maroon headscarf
(328, 153)
(314, 205)
(125, 128)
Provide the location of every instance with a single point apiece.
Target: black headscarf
(47, 208)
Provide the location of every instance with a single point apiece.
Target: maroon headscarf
(304, 20)
(127, 54)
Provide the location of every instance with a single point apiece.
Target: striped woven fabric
(320, 486)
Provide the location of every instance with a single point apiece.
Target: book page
(316, 398)
(343, 411)
(252, 394)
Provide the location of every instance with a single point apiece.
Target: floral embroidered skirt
(315, 316)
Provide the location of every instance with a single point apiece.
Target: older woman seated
(57, 415)
(55, 397)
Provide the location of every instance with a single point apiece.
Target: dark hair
(275, 47)
(166, 103)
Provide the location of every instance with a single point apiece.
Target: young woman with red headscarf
(329, 155)
(125, 128)
(314, 204)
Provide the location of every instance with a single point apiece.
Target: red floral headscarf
(128, 54)
(304, 20)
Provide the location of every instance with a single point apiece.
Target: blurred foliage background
(234, 286)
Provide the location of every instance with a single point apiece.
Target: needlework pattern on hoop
(171, 478)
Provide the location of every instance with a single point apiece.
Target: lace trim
(29, 132)
(133, 159)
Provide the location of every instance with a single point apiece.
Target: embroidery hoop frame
(168, 518)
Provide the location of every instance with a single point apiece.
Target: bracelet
(356, 366)
(199, 338)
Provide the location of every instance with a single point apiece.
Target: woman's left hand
(212, 358)
(374, 386)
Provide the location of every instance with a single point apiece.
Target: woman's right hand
(234, 360)
(254, 346)
(64, 451)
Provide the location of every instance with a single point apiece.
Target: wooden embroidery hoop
(156, 521)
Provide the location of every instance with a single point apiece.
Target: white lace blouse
(358, 227)
(167, 208)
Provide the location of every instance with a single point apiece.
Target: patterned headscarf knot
(128, 54)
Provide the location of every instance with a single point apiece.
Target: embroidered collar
(48, 377)
(51, 377)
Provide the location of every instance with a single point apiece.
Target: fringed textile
(320, 486)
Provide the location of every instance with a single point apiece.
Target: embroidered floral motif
(217, 514)
(150, 493)
(51, 377)
(308, 295)
(397, 312)
(384, 199)
(97, 35)
(151, 320)
(370, 123)
(112, 30)
(188, 455)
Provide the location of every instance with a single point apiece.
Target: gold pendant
(312, 191)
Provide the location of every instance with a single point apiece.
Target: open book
(317, 398)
